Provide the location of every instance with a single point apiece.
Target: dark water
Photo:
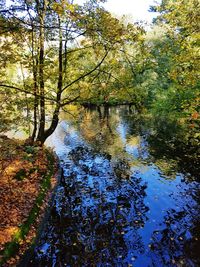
(117, 204)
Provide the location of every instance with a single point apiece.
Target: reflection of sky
(157, 199)
(56, 140)
(136, 148)
(121, 129)
(163, 193)
(63, 133)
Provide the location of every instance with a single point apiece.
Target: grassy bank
(27, 177)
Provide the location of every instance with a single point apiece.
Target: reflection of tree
(99, 206)
(95, 216)
(136, 123)
(167, 142)
(178, 243)
(99, 129)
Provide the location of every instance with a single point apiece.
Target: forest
(60, 59)
(54, 53)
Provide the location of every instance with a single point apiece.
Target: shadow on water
(116, 205)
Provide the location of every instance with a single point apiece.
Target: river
(118, 204)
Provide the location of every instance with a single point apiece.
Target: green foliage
(111, 63)
(174, 93)
(20, 175)
(31, 149)
(66, 51)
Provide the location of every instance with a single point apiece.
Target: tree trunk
(35, 124)
(35, 90)
(55, 118)
(41, 131)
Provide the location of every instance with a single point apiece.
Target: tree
(119, 79)
(176, 54)
(50, 32)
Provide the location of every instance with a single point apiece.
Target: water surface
(117, 204)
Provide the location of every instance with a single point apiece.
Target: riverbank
(27, 179)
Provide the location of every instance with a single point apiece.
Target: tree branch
(69, 101)
(25, 91)
(86, 74)
(112, 76)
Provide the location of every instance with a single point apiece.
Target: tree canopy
(54, 53)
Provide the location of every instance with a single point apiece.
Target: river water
(118, 204)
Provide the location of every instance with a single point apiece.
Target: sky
(135, 9)
(138, 9)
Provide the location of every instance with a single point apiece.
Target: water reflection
(114, 205)
(177, 241)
